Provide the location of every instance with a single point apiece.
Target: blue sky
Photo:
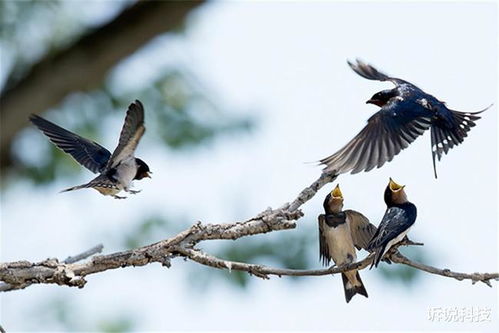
(285, 63)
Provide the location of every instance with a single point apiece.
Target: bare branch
(96, 249)
(21, 274)
(474, 277)
(263, 271)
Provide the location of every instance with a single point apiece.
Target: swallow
(340, 232)
(116, 170)
(399, 217)
(406, 113)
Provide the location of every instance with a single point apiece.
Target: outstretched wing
(90, 154)
(369, 72)
(387, 132)
(362, 231)
(132, 131)
(323, 248)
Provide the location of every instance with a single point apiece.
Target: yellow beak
(336, 193)
(394, 186)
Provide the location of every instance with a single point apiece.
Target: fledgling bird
(399, 217)
(116, 171)
(339, 233)
(406, 113)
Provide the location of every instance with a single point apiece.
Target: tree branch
(84, 255)
(474, 277)
(84, 64)
(21, 274)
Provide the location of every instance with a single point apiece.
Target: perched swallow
(399, 216)
(116, 171)
(339, 233)
(406, 113)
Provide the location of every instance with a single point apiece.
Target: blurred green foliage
(70, 319)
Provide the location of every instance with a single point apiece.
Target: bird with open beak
(399, 217)
(117, 170)
(340, 232)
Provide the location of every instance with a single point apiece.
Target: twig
(263, 271)
(96, 249)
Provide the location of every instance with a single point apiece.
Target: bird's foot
(406, 242)
(134, 191)
(118, 197)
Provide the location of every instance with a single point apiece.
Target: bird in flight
(399, 217)
(406, 113)
(116, 170)
(340, 232)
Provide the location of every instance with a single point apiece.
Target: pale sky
(286, 64)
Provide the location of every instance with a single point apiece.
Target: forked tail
(444, 136)
(352, 289)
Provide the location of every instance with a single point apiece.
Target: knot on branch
(65, 276)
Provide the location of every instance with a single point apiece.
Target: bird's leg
(118, 197)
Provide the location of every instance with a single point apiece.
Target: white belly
(340, 244)
(126, 172)
(396, 240)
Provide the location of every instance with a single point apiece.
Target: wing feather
(131, 133)
(323, 247)
(88, 153)
(361, 229)
(378, 142)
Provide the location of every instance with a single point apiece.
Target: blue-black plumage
(406, 113)
(399, 216)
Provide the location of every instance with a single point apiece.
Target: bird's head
(142, 170)
(334, 201)
(382, 97)
(394, 194)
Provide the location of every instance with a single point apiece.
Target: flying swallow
(406, 113)
(339, 233)
(399, 217)
(117, 170)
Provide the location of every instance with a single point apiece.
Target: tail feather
(75, 188)
(445, 137)
(378, 255)
(353, 289)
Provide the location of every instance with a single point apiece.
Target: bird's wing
(394, 222)
(90, 154)
(362, 231)
(132, 131)
(369, 72)
(387, 132)
(323, 248)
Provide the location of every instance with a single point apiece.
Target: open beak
(394, 186)
(336, 193)
(373, 101)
